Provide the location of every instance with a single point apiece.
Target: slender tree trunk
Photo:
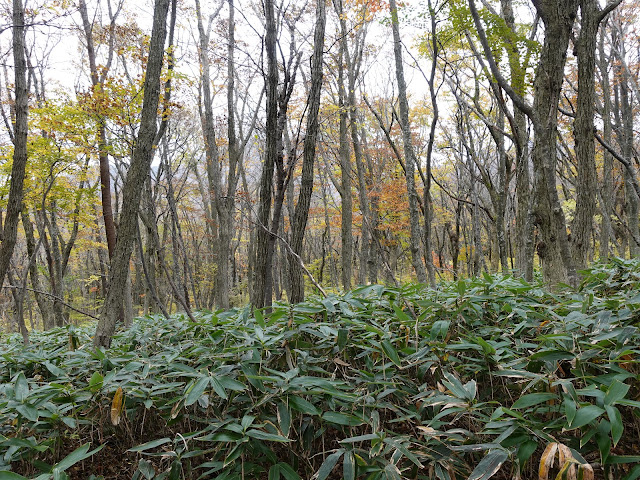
(43, 303)
(606, 198)
(97, 79)
(523, 227)
(345, 162)
(501, 194)
(301, 213)
(136, 176)
(14, 205)
(410, 157)
(271, 152)
(583, 132)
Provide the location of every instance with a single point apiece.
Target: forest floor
(482, 378)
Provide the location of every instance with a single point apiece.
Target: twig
(55, 297)
(296, 256)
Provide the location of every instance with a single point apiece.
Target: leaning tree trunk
(301, 213)
(14, 205)
(136, 176)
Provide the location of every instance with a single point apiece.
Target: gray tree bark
(584, 133)
(14, 205)
(271, 152)
(301, 213)
(136, 176)
(409, 153)
(606, 197)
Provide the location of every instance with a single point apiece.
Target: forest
(311, 239)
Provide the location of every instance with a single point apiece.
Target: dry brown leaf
(341, 362)
(426, 430)
(117, 406)
(587, 472)
(546, 461)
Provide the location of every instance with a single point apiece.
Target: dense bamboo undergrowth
(489, 377)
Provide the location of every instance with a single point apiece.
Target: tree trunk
(523, 230)
(14, 204)
(301, 213)
(271, 152)
(410, 157)
(97, 79)
(136, 176)
(606, 198)
(553, 244)
(583, 133)
(346, 216)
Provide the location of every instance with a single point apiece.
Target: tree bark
(410, 157)
(301, 213)
(270, 154)
(14, 205)
(523, 230)
(346, 217)
(606, 197)
(136, 176)
(583, 133)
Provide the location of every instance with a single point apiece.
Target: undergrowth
(481, 378)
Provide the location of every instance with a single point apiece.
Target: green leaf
(257, 314)
(585, 415)
(271, 437)
(404, 450)
(149, 445)
(196, 390)
(218, 388)
(28, 411)
(349, 466)
(342, 419)
(21, 388)
(403, 317)
(302, 405)
(391, 352)
(328, 464)
(634, 474)
(617, 427)
(287, 472)
(146, 469)
(391, 472)
(533, 399)
(274, 472)
(58, 372)
(76, 456)
(343, 337)
(616, 392)
(361, 438)
(4, 475)
(570, 408)
(96, 381)
(489, 465)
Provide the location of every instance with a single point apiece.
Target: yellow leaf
(117, 406)
(546, 461)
